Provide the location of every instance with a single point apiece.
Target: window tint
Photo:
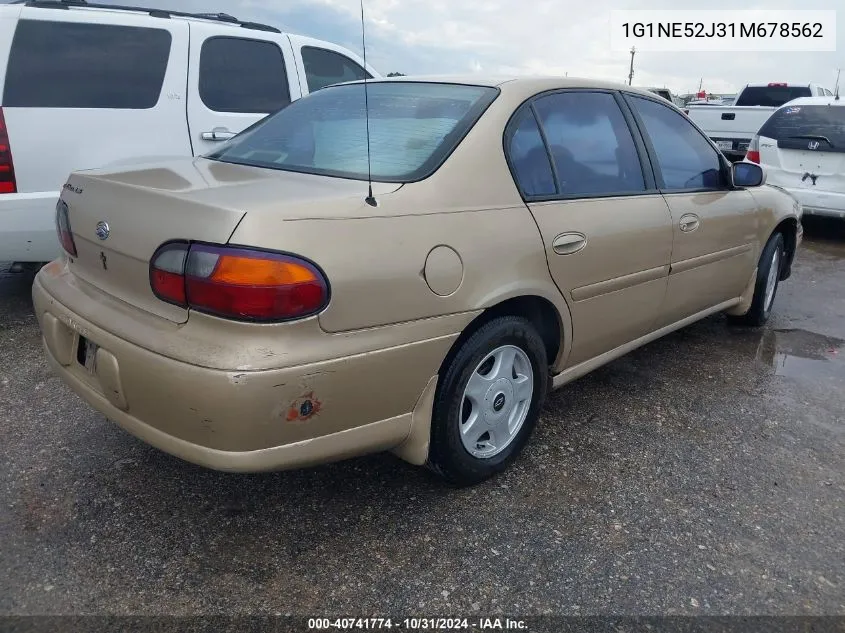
(78, 65)
(240, 75)
(528, 157)
(590, 143)
(686, 159)
(771, 96)
(323, 68)
(796, 127)
(413, 127)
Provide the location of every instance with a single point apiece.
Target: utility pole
(631, 73)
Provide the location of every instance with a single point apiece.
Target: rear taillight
(753, 153)
(167, 273)
(8, 184)
(238, 283)
(63, 228)
(778, 84)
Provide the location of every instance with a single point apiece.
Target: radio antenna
(370, 200)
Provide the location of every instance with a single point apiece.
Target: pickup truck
(733, 127)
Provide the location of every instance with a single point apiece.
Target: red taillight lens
(238, 283)
(8, 184)
(753, 153)
(777, 84)
(167, 273)
(63, 228)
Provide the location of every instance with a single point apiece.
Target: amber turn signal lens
(257, 271)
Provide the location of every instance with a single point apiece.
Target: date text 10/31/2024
(418, 624)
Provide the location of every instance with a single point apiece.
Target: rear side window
(590, 143)
(528, 157)
(79, 65)
(815, 128)
(686, 159)
(242, 75)
(771, 96)
(324, 68)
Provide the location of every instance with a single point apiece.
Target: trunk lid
(147, 205)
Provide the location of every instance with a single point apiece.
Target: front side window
(324, 68)
(686, 159)
(590, 143)
(242, 75)
(81, 65)
(820, 127)
(413, 128)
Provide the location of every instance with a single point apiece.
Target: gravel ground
(701, 474)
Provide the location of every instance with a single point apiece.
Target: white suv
(86, 85)
(802, 147)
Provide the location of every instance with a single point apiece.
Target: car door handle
(689, 222)
(569, 243)
(217, 134)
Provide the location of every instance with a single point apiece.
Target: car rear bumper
(823, 203)
(27, 227)
(242, 421)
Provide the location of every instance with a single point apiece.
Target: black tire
(759, 311)
(447, 456)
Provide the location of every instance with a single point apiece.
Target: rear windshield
(815, 127)
(771, 96)
(413, 127)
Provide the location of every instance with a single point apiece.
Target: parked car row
(732, 126)
(87, 85)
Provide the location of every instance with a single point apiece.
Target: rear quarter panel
(487, 245)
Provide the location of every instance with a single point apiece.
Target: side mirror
(747, 174)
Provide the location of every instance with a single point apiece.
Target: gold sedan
(293, 298)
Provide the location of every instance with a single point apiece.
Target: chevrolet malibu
(406, 265)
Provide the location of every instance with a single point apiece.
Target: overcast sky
(529, 37)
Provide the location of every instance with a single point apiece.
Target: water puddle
(803, 355)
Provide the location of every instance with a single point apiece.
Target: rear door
(235, 80)
(84, 89)
(715, 227)
(606, 230)
(803, 148)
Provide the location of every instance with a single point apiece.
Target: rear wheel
(488, 401)
(766, 287)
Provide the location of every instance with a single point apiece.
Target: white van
(802, 148)
(87, 85)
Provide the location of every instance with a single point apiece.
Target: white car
(86, 86)
(802, 148)
(731, 126)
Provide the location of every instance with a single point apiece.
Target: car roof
(781, 84)
(222, 19)
(806, 101)
(519, 84)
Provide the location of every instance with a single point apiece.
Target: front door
(235, 81)
(715, 226)
(606, 230)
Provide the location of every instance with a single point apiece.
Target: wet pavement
(701, 474)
